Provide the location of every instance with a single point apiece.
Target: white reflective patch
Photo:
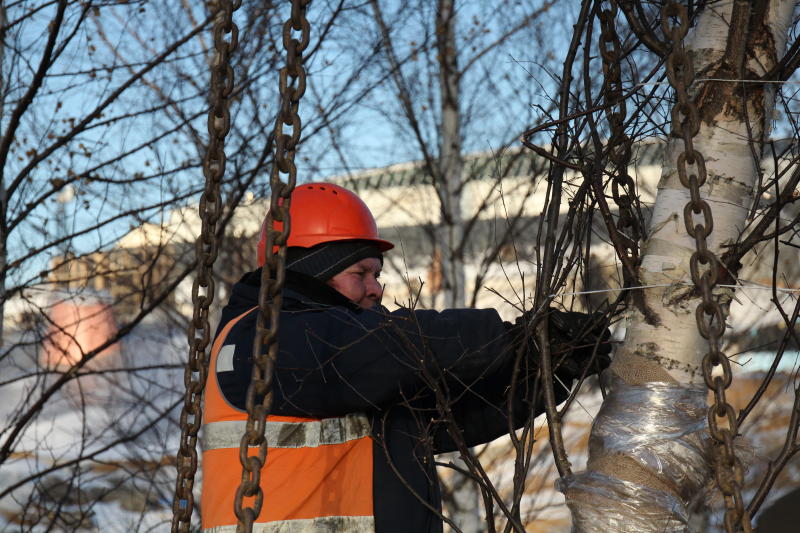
(228, 433)
(225, 358)
(321, 524)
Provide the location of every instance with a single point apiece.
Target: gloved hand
(573, 337)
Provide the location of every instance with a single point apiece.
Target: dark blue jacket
(335, 358)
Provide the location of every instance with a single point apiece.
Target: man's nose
(374, 288)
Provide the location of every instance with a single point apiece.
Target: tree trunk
(464, 504)
(451, 160)
(649, 453)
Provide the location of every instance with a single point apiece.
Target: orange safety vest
(318, 475)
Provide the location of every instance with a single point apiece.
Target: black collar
(304, 288)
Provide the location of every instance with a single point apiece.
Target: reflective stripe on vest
(318, 475)
(326, 431)
(350, 524)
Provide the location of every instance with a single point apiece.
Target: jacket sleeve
(489, 407)
(333, 361)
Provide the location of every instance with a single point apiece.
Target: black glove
(573, 337)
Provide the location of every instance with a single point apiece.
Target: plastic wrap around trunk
(652, 442)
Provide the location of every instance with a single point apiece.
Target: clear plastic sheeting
(648, 451)
(608, 504)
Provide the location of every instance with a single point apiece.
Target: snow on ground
(121, 425)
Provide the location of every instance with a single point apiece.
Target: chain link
(710, 315)
(619, 147)
(206, 248)
(292, 85)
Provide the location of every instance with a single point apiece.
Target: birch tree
(448, 88)
(651, 452)
(448, 81)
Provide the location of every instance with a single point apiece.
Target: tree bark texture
(451, 160)
(649, 453)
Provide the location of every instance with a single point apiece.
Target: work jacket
(356, 414)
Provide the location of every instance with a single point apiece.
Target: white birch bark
(725, 142)
(465, 501)
(662, 343)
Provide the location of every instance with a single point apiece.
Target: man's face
(359, 282)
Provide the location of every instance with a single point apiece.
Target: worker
(363, 397)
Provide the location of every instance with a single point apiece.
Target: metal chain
(206, 248)
(292, 84)
(619, 144)
(709, 314)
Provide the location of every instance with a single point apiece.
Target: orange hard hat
(324, 212)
